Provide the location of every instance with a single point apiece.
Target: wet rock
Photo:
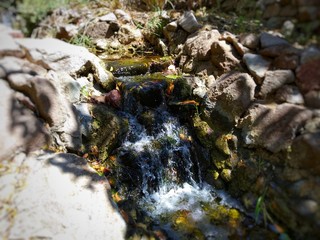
(189, 22)
(289, 94)
(250, 40)
(198, 45)
(305, 152)
(274, 80)
(20, 129)
(232, 94)
(269, 40)
(107, 129)
(257, 65)
(226, 175)
(224, 57)
(73, 199)
(273, 127)
(60, 56)
(203, 132)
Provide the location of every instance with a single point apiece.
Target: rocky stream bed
(188, 133)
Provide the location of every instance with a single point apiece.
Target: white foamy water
(185, 197)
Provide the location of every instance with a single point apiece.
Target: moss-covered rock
(107, 131)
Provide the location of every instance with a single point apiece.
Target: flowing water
(158, 171)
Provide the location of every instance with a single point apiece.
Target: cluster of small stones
(276, 110)
(280, 12)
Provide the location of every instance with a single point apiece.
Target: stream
(158, 175)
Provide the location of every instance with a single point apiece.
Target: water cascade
(158, 172)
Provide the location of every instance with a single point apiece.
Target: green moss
(108, 129)
(220, 214)
(203, 132)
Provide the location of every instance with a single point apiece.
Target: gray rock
(232, 94)
(67, 31)
(60, 56)
(8, 47)
(257, 65)
(305, 152)
(20, 130)
(274, 80)
(269, 40)
(99, 30)
(307, 207)
(189, 22)
(128, 34)
(123, 16)
(172, 26)
(273, 126)
(69, 87)
(312, 99)
(224, 57)
(287, 28)
(230, 38)
(289, 94)
(84, 118)
(12, 65)
(60, 197)
(249, 40)
(309, 54)
(109, 17)
(198, 45)
(51, 105)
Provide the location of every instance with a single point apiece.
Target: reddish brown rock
(308, 76)
(286, 62)
(112, 98)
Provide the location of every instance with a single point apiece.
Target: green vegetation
(33, 11)
(82, 40)
(156, 24)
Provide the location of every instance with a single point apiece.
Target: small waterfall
(157, 171)
(162, 159)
